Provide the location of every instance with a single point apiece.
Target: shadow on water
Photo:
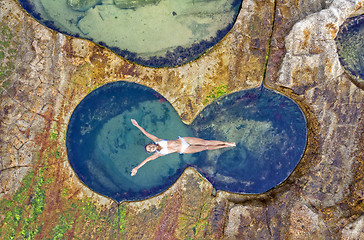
(103, 146)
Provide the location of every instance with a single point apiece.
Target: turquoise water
(155, 33)
(103, 146)
(350, 43)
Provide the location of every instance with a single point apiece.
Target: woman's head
(151, 147)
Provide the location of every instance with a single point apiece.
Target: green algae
(201, 222)
(120, 219)
(65, 222)
(216, 93)
(23, 210)
(54, 136)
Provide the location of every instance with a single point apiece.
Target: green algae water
(350, 46)
(156, 33)
(103, 146)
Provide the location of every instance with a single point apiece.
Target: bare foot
(232, 144)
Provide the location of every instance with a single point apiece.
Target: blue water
(270, 132)
(103, 146)
(156, 33)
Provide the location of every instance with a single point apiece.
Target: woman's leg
(195, 149)
(200, 148)
(203, 142)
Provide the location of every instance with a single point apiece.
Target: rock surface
(288, 44)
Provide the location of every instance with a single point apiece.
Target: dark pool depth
(155, 33)
(103, 146)
(270, 132)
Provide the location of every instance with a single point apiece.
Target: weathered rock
(286, 15)
(24, 100)
(247, 222)
(312, 71)
(305, 223)
(354, 230)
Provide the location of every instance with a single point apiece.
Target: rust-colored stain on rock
(333, 29)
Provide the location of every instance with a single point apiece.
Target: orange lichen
(359, 5)
(306, 38)
(332, 29)
(304, 78)
(329, 65)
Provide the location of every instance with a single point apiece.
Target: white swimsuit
(164, 145)
(185, 145)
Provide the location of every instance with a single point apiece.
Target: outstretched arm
(135, 170)
(152, 137)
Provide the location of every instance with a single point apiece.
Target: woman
(162, 147)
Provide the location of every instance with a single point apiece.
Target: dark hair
(145, 148)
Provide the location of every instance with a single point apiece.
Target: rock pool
(156, 33)
(103, 146)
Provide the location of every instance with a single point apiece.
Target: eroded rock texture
(45, 74)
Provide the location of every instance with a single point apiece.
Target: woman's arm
(152, 137)
(135, 170)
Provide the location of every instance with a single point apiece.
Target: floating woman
(182, 145)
